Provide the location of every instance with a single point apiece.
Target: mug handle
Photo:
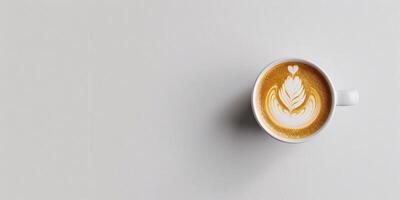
(346, 97)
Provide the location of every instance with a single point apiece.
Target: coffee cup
(293, 99)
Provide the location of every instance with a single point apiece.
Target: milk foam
(291, 106)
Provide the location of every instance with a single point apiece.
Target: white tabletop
(150, 99)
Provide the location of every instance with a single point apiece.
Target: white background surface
(150, 99)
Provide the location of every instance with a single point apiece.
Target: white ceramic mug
(339, 98)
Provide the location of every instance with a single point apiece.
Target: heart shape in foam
(293, 69)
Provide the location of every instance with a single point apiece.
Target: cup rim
(259, 118)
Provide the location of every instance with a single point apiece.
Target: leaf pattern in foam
(292, 93)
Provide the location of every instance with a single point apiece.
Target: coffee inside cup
(293, 99)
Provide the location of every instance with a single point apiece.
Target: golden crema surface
(295, 99)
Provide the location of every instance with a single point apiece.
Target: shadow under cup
(293, 100)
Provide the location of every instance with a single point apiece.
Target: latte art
(294, 111)
(294, 99)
